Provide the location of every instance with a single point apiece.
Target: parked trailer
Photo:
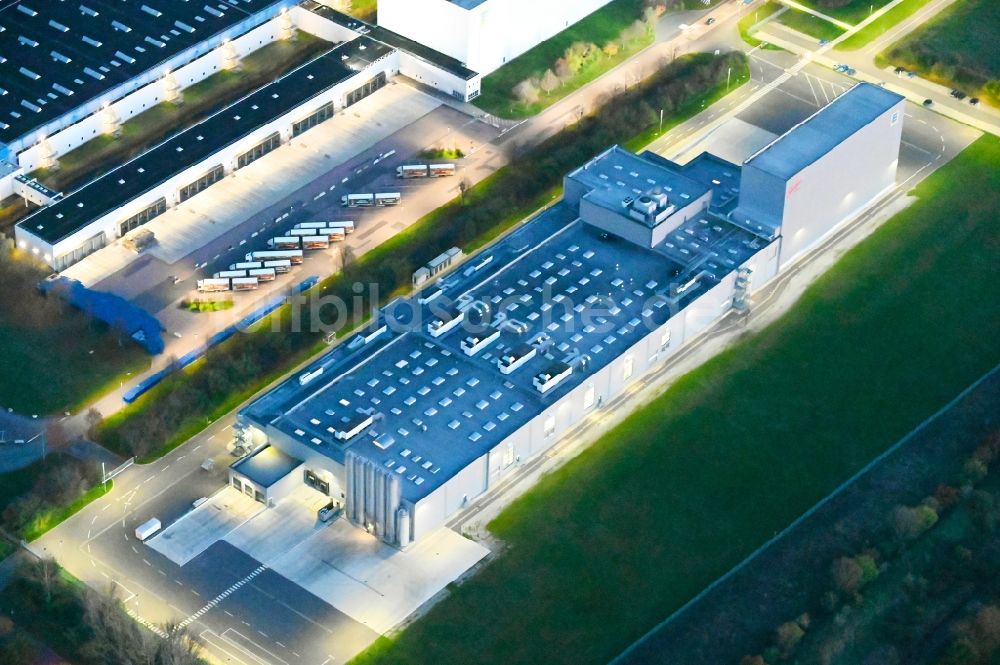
(263, 274)
(442, 170)
(213, 285)
(228, 274)
(387, 198)
(311, 225)
(298, 233)
(246, 265)
(357, 200)
(407, 171)
(336, 235)
(281, 266)
(244, 283)
(147, 529)
(293, 255)
(316, 242)
(284, 242)
(346, 225)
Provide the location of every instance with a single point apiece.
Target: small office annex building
(408, 423)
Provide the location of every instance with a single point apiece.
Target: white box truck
(147, 529)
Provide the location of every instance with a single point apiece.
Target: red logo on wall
(791, 190)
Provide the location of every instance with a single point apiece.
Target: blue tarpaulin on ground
(219, 337)
(114, 310)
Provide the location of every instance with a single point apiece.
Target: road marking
(244, 637)
(221, 597)
(223, 650)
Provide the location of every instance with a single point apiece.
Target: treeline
(87, 627)
(945, 67)
(233, 371)
(934, 586)
(52, 484)
(580, 56)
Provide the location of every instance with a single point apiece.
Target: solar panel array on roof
(56, 55)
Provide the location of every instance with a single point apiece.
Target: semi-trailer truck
(262, 274)
(293, 255)
(246, 265)
(357, 200)
(284, 242)
(280, 266)
(442, 170)
(316, 242)
(244, 283)
(213, 285)
(387, 198)
(407, 171)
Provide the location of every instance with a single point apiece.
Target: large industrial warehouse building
(417, 417)
(71, 226)
(482, 34)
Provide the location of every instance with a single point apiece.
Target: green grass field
(809, 24)
(603, 26)
(618, 538)
(366, 10)
(753, 18)
(957, 48)
(55, 358)
(853, 11)
(881, 25)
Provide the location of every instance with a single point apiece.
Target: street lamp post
(660, 131)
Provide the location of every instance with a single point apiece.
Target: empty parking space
(275, 531)
(374, 584)
(199, 529)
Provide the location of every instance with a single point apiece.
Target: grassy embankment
(853, 11)
(56, 358)
(881, 25)
(811, 25)
(753, 18)
(624, 534)
(602, 27)
(957, 48)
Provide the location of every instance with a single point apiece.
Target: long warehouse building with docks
(71, 72)
(447, 394)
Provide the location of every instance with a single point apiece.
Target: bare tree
(525, 92)
(93, 418)
(463, 187)
(45, 572)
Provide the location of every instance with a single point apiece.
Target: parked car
(957, 94)
(928, 103)
(899, 71)
(328, 512)
(710, 21)
(850, 71)
(974, 101)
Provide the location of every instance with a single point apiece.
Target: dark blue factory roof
(266, 466)
(824, 130)
(579, 298)
(57, 55)
(147, 171)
